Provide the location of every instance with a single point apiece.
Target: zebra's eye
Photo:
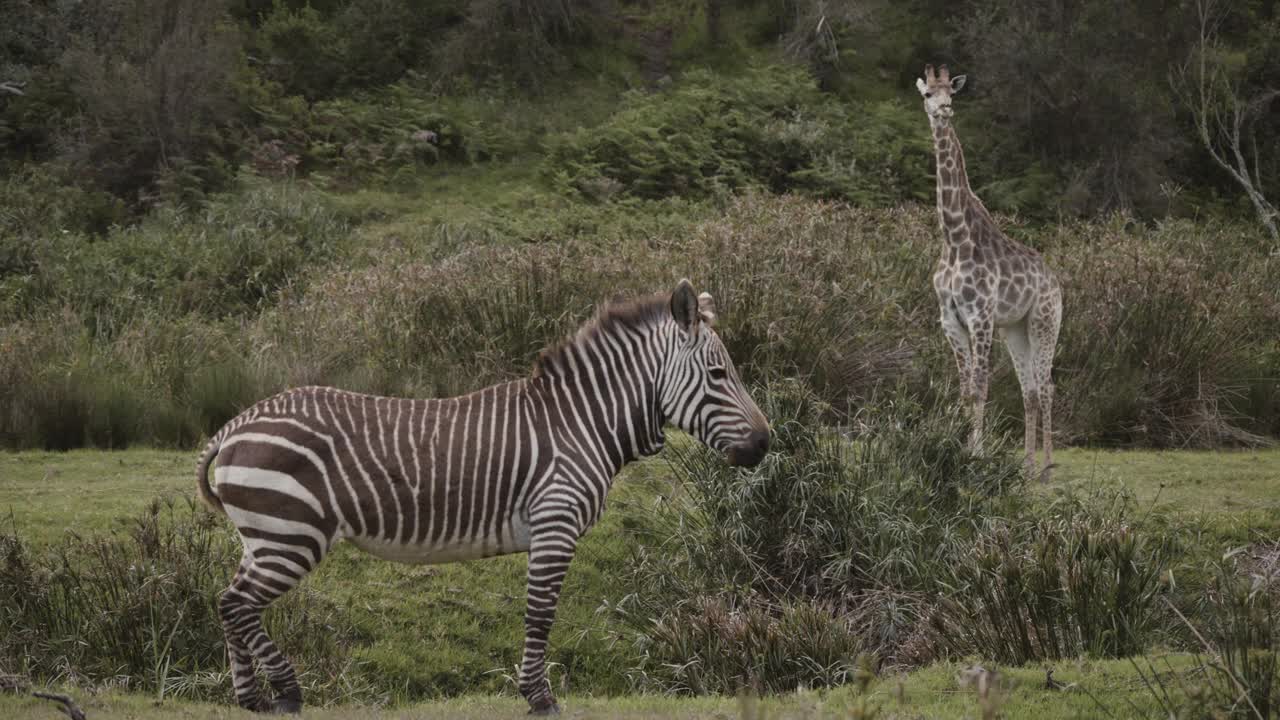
(718, 373)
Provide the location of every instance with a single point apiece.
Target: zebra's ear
(707, 308)
(684, 306)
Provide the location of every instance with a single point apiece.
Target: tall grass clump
(138, 607)
(408, 323)
(194, 313)
(1166, 337)
(885, 538)
(1235, 629)
(161, 380)
(1076, 580)
(844, 536)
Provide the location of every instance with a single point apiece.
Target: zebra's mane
(609, 316)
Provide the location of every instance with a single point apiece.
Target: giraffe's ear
(684, 306)
(921, 86)
(957, 83)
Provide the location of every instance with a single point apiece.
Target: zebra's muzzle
(751, 451)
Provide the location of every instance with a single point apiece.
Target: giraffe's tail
(207, 494)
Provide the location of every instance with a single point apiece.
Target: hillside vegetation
(379, 197)
(202, 203)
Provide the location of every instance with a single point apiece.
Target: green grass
(46, 494)
(433, 630)
(1218, 482)
(934, 692)
(438, 631)
(49, 493)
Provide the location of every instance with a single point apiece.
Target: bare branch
(1223, 119)
(67, 705)
(12, 86)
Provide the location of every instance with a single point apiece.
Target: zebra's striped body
(516, 467)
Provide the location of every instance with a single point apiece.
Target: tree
(1225, 116)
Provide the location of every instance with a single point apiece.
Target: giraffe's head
(937, 90)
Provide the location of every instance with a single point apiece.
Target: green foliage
(1078, 581)
(391, 135)
(1166, 344)
(141, 604)
(523, 40)
(153, 84)
(1167, 330)
(768, 128)
(851, 538)
(226, 259)
(305, 54)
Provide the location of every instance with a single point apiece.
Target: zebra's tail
(202, 474)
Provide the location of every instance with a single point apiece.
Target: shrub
(1054, 588)
(152, 81)
(384, 135)
(1163, 332)
(226, 259)
(849, 537)
(768, 128)
(526, 40)
(1236, 673)
(140, 605)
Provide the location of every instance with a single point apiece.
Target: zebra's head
(701, 392)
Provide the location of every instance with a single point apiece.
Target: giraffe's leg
(267, 573)
(1044, 324)
(1019, 344)
(551, 549)
(981, 329)
(958, 337)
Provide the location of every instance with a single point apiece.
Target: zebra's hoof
(286, 706)
(552, 709)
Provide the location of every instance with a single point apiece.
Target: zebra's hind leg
(263, 577)
(243, 677)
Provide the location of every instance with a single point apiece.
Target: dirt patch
(1260, 561)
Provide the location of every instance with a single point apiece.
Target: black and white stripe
(521, 466)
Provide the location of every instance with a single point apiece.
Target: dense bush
(1165, 335)
(139, 608)
(1075, 582)
(1164, 339)
(224, 259)
(769, 128)
(388, 135)
(891, 539)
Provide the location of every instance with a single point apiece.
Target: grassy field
(436, 630)
(45, 494)
(1091, 689)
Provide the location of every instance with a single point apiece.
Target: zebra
(521, 466)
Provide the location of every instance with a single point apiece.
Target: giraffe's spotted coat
(986, 281)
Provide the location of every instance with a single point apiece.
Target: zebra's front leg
(551, 550)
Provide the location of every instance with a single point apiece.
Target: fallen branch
(68, 705)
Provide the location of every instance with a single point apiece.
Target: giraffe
(985, 281)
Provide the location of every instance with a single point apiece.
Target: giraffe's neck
(954, 195)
